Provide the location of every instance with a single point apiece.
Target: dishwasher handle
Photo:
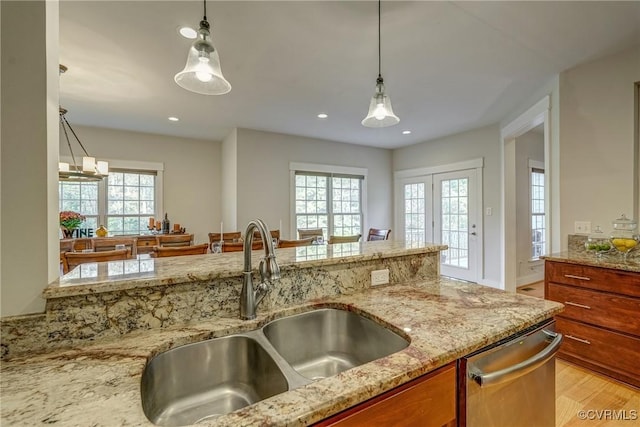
(520, 368)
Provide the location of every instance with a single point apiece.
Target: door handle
(473, 233)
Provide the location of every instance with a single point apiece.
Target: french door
(442, 208)
(455, 223)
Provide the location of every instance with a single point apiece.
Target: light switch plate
(582, 227)
(380, 277)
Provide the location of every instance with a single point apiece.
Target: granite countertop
(614, 261)
(145, 272)
(99, 384)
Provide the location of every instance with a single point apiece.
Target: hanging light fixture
(90, 169)
(380, 112)
(202, 74)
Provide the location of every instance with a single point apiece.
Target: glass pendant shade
(203, 74)
(380, 111)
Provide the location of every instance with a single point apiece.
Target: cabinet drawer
(603, 309)
(429, 401)
(615, 352)
(603, 279)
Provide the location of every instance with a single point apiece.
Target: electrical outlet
(380, 277)
(582, 227)
(489, 211)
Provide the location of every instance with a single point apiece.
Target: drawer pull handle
(578, 339)
(571, 276)
(575, 304)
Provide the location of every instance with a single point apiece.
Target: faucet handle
(269, 269)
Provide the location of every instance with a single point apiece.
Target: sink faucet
(269, 270)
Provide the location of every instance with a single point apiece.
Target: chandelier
(89, 169)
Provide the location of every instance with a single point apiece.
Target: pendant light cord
(205, 9)
(379, 42)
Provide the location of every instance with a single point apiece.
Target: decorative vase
(101, 231)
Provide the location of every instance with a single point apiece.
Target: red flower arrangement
(71, 220)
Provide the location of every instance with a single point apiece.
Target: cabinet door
(429, 401)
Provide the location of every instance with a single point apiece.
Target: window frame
(537, 166)
(329, 171)
(134, 167)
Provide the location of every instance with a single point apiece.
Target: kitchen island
(98, 383)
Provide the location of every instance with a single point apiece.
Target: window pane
(130, 202)
(537, 213)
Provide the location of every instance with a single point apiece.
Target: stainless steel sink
(207, 379)
(203, 380)
(325, 342)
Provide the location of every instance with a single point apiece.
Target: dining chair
(304, 233)
(101, 244)
(73, 259)
(167, 251)
(378, 234)
(173, 240)
(294, 243)
(275, 234)
(239, 246)
(230, 237)
(344, 239)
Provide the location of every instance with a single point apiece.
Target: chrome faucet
(269, 270)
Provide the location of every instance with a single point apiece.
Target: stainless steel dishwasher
(511, 383)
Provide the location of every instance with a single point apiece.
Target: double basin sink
(199, 381)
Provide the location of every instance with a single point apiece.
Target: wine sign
(77, 233)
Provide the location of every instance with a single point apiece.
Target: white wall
(192, 174)
(30, 251)
(597, 141)
(485, 143)
(529, 146)
(229, 169)
(263, 176)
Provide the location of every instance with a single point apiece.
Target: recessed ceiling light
(406, 132)
(173, 119)
(322, 116)
(187, 32)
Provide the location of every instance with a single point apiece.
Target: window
(537, 212)
(414, 212)
(331, 201)
(123, 202)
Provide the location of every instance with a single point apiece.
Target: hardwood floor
(533, 289)
(607, 403)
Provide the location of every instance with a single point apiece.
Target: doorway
(538, 115)
(442, 205)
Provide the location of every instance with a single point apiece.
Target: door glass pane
(455, 222)
(414, 213)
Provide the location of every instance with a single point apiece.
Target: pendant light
(380, 112)
(202, 74)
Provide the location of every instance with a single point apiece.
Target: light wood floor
(578, 389)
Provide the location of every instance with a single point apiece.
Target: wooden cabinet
(428, 401)
(601, 320)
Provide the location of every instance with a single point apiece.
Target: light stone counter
(614, 260)
(98, 384)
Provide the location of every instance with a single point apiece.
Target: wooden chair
(101, 244)
(239, 246)
(305, 233)
(378, 234)
(174, 240)
(73, 259)
(344, 239)
(294, 243)
(160, 252)
(231, 237)
(275, 234)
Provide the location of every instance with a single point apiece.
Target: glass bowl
(598, 242)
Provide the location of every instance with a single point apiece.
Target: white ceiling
(448, 66)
